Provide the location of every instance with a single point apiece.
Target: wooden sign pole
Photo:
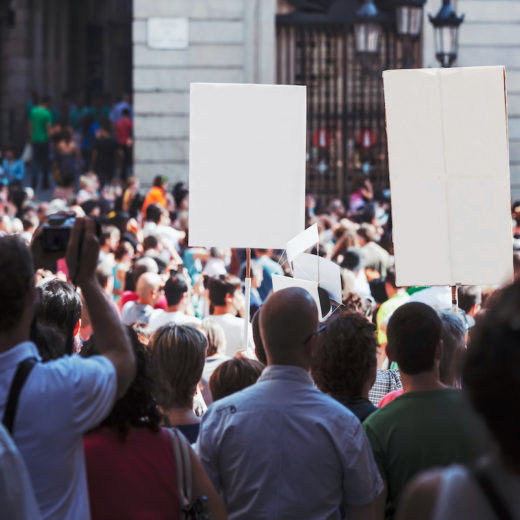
(247, 281)
(454, 299)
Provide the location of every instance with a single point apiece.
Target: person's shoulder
(129, 305)
(385, 415)
(68, 370)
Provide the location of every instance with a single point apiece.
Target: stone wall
(490, 35)
(230, 41)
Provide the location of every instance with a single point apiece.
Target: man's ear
(389, 353)
(76, 328)
(439, 349)
(229, 298)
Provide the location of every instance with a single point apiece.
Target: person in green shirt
(430, 424)
(40, 120)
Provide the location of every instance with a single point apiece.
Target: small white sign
(167, 33)
(302, 242)
(284, 282)
(326, 273)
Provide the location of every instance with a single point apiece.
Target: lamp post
(409, 15)
(446, 25)
(367, 29)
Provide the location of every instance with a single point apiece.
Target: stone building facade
(229, 41)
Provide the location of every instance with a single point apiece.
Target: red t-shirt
(388, 398)
(124, 130)
(135, 479)
(131, 296)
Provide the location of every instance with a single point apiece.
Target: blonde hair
(177, 357)
(215, 335)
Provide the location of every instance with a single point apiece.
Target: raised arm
(111, 338)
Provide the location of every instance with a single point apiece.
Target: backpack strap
(488, 488)
(22, 373)
(183, 469)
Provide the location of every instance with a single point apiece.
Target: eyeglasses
(320, 329)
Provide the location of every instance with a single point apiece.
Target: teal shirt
(421, 430)
(40, 117)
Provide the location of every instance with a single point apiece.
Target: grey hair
(452, 335)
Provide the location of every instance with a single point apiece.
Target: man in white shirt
(148, 291)
(227, 300)
(62, 399)
(176, 292)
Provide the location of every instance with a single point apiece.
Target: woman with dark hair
(345, 363)
(490, 489)
(130, 459)
(177, 357)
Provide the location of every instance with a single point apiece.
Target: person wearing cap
(157, 193)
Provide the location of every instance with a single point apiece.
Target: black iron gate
(346, 137)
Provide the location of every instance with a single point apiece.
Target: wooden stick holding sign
(454, 299)
(247, 280)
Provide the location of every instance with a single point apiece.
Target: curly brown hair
(346, 357)
(137, 408)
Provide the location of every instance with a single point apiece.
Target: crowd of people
(65, 140)
(128, 390)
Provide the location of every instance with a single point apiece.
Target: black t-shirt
(359, 406)
(106, 149)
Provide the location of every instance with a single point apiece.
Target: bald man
(281, 449)
(148, 291)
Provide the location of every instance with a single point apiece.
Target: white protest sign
(302, 242)
(321, 270)
(247, 165)
(283, 282)
(449, 175)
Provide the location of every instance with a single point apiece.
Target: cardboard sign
(247, 165)
(449, 175)
(283, 282)
(321, 270)
(302, 242)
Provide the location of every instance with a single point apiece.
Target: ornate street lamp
(409, 16)
(367, 29)
(446, 25)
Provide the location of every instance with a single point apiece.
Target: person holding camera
(48, 407)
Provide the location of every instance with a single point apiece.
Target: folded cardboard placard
(247, 165)
(449, 175)
(303, 241)
(326, 273)
(283, 282)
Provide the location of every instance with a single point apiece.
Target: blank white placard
(283, 282)
(247, 165)
(449, 175)
(327, 275)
